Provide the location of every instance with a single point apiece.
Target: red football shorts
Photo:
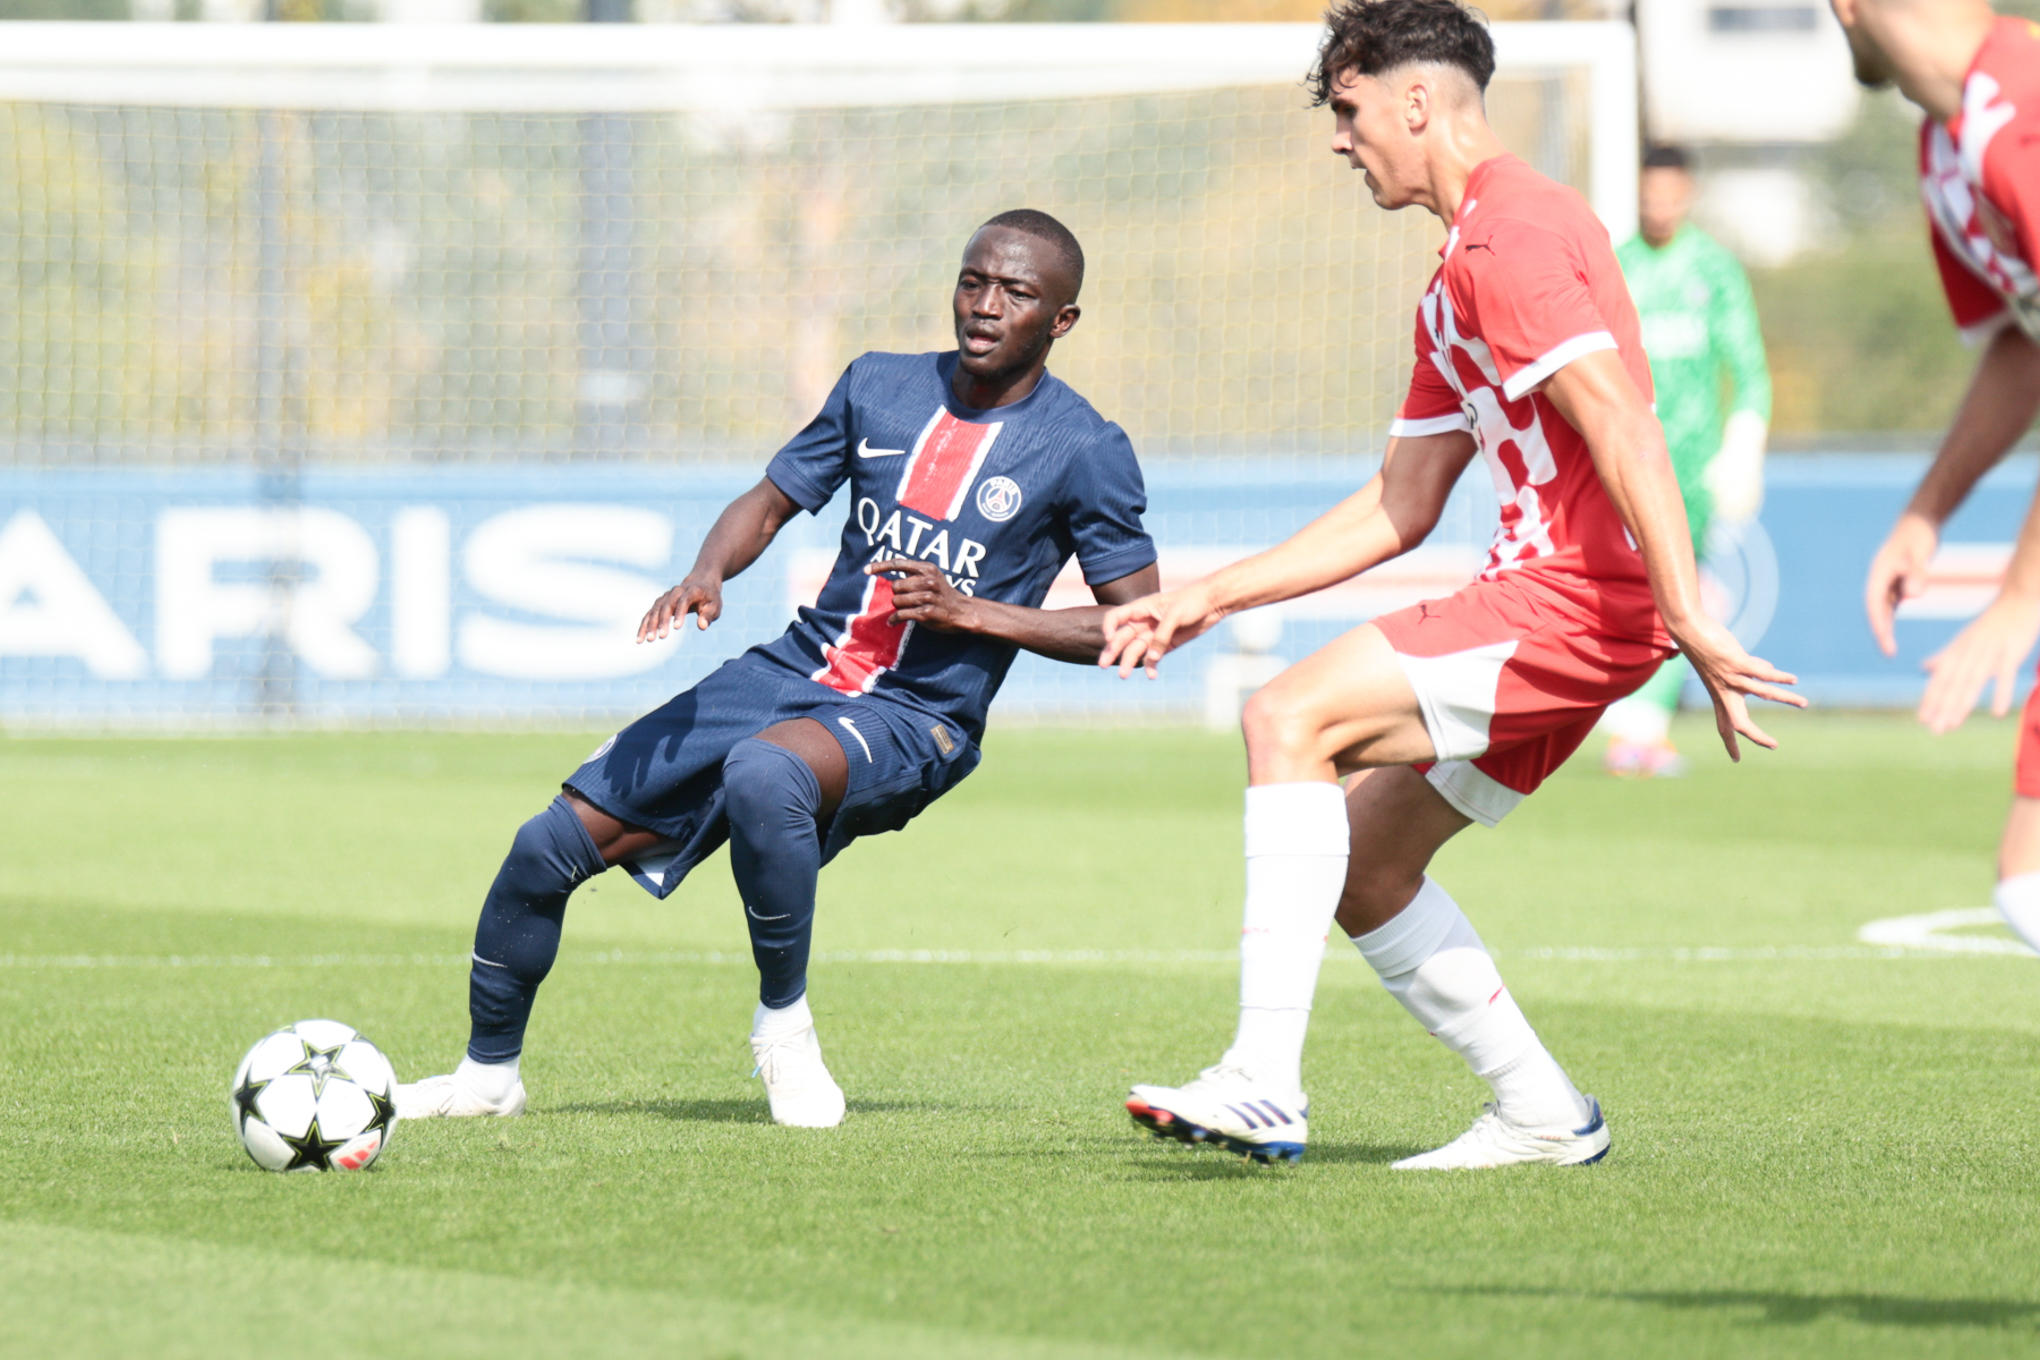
(2026, 777)
(1511, 680)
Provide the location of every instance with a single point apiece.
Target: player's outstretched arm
(1595, 394)
(1393, 513)
(923, 595)
(2002, 400)
(744, 529)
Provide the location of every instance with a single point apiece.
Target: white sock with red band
(1296, 838)
(2018, 901)
(1432, 961)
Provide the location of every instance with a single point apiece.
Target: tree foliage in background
(1858, 333)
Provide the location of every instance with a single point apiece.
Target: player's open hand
(1898, 573)
(1139, 633)
(1732, 677)
(922, 594)
(697, 595)
(1991, 649)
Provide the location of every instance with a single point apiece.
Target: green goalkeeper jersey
(1699, 329)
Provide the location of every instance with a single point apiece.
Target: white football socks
(2018, 901)
(767, 1023)
(493, 1082)
(1432, 961)
(1296, 838)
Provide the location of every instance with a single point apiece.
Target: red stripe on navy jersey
(944, 463)
(870, 644)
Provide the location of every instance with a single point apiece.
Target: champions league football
(314, 1096)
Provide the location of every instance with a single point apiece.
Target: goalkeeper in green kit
(1700, 332)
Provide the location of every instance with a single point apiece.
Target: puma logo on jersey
(864, 450)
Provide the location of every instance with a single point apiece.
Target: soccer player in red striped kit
(1450, 712)
(1976, 74)
(974, 476)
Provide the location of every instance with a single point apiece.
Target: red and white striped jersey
(1530, 283)
(1980, 177)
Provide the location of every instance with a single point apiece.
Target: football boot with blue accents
(1226, 1108)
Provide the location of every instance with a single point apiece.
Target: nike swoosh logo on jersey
(864, 450)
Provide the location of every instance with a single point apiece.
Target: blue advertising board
(511, 594)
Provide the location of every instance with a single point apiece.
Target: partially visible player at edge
(1699, 325)
(1450, 712)
(974, 476)
(1977, 77)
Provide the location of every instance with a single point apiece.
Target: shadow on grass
(1375, 1153)
(752, 1110)
(1210, 1163)
(1781, 1309)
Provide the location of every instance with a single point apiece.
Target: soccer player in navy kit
(974, 475)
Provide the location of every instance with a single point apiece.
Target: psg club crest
(998, 499)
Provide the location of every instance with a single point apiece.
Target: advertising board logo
(1739, 580)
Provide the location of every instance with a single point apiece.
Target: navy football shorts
(664, 771)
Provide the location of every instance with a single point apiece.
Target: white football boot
(1226, 1108)
(797, 1083)
(1494, 1141)
(451, 1097)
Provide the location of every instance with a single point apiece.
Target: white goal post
(733, 67)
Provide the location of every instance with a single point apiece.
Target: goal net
(353, 374)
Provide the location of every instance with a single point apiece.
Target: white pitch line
(1921, 948)
(1925, 932)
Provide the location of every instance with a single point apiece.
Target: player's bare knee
(1275, 728)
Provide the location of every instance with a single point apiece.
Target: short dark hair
(1372, 36)
(1667, 156)
(1052, 233)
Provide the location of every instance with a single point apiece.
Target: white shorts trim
(1554, 359)
(1400, 428)
(1986, 329)
(1476, 794)
(1456, 694)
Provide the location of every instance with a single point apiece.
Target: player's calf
(516, 941)
(774, 802)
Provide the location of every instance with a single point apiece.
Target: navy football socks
(775, 803)
(519, 933)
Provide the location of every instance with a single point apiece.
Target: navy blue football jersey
(999, 500)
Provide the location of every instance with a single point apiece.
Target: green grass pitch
(1820, 1149)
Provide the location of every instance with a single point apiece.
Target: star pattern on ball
(244, 1099)
(317, 1064)
(385, 1111)
(311, 1148)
